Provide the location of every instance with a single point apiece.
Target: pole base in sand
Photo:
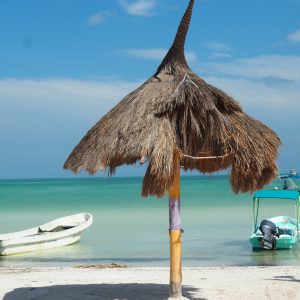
(175, 290)
(178, 298)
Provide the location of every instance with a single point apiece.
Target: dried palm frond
(175, 111)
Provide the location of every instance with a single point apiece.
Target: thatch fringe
(175, 111)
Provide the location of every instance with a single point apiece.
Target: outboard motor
(270, 232)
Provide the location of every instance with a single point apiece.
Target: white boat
(60, 232)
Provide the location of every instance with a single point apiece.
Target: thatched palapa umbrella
(176, 118)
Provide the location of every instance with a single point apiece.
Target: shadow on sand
(286, 278)
(130, 291)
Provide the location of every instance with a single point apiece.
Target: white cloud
(68, 97)
(278, 67)
(155, 54)
(220, 55)
(42, 120)
(218, 46)
(98, 18)
(219, 50)
(158, 54)
(143, 8)
(191, 56)
(294, 36)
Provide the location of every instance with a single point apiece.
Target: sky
(65, 63)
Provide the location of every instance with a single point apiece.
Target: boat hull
(281, 243)
(284, 241)
(41, 238)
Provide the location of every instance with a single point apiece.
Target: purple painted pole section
(174, 214)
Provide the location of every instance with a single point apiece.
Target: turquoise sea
(133, 230)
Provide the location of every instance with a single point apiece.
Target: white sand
(150, 283)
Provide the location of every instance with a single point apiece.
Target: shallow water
(133, 230)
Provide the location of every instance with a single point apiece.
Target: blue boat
(279, 232)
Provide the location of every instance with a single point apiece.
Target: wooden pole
(175, 235)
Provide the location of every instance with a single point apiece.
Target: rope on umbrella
(212, 157)
(143, 159)
(206, 157)
(186, 79)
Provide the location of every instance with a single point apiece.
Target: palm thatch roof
(175, 112)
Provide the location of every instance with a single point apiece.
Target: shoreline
(149, 283)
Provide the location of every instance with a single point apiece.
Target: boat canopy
(285, 176)
(280, 194)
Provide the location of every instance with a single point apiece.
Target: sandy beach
(149, 283)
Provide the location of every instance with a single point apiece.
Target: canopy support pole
(175, 235)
